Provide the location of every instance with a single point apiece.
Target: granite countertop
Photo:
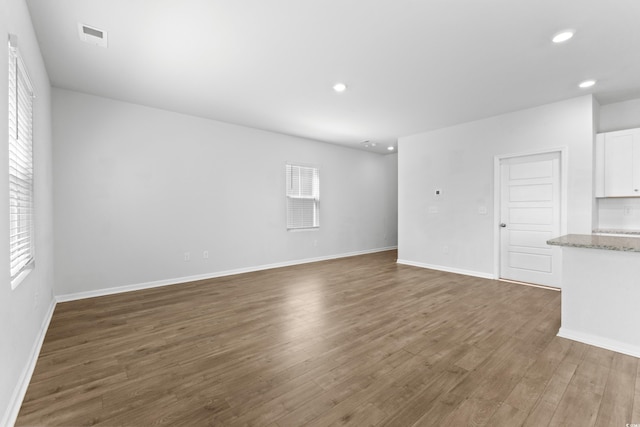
(592, 241)
(613, 231)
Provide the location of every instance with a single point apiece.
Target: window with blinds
(303, 197)
(21, 238)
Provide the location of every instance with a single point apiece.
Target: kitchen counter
(600, 292)
(615, 231)
(593, 241)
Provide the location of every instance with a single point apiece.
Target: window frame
(21, 170)
(298, 223)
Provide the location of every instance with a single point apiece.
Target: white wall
(136, 187)
(620, 116)
(23, 310)
(459, 160)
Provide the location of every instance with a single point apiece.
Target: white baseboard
(13, 409)
(606, 343)
(213, 275)
(447, 269)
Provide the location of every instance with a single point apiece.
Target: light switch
(482, 210)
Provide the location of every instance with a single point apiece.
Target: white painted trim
(606, 343)
(19, 392)
(564, 188)
(447, 269)
(497, 211)
(213, 275)
(533, 285)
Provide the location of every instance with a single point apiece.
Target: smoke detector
(92, 35)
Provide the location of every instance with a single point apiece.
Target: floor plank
(353, 341)
(617, 400)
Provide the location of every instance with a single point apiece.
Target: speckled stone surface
(613, 231)
(591, 241)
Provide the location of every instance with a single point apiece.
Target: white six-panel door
(530, 215)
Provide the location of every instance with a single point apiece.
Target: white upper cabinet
(617, 168)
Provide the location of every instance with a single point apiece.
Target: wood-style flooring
(356, 341)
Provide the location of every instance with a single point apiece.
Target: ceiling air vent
(92, 35)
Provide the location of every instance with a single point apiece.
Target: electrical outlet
(445, 249)
(627, 210)
(205, 255)
(187, 256)
(433, 209)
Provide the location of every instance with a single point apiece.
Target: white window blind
(303, 197)
(20, 167)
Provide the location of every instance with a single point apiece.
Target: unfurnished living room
(287, 213)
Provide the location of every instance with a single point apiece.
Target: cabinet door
(622, 163)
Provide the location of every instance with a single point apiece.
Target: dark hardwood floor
(355, 341)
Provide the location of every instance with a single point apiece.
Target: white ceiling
(410, 65)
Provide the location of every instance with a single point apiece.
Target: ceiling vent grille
(92, 35)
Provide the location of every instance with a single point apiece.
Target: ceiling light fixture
(339, 87)
(563, 36)
(587, 83)
(390, 148)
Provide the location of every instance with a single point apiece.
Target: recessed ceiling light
(563, 36)
(339, 87)
(390, 148)
(587, 83)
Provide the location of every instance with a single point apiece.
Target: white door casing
(530, 214)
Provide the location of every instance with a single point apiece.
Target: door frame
(497, 180)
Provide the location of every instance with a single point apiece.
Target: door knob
(503, 225)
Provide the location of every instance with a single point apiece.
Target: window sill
(296, 230)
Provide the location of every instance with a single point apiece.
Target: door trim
(497, 179)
